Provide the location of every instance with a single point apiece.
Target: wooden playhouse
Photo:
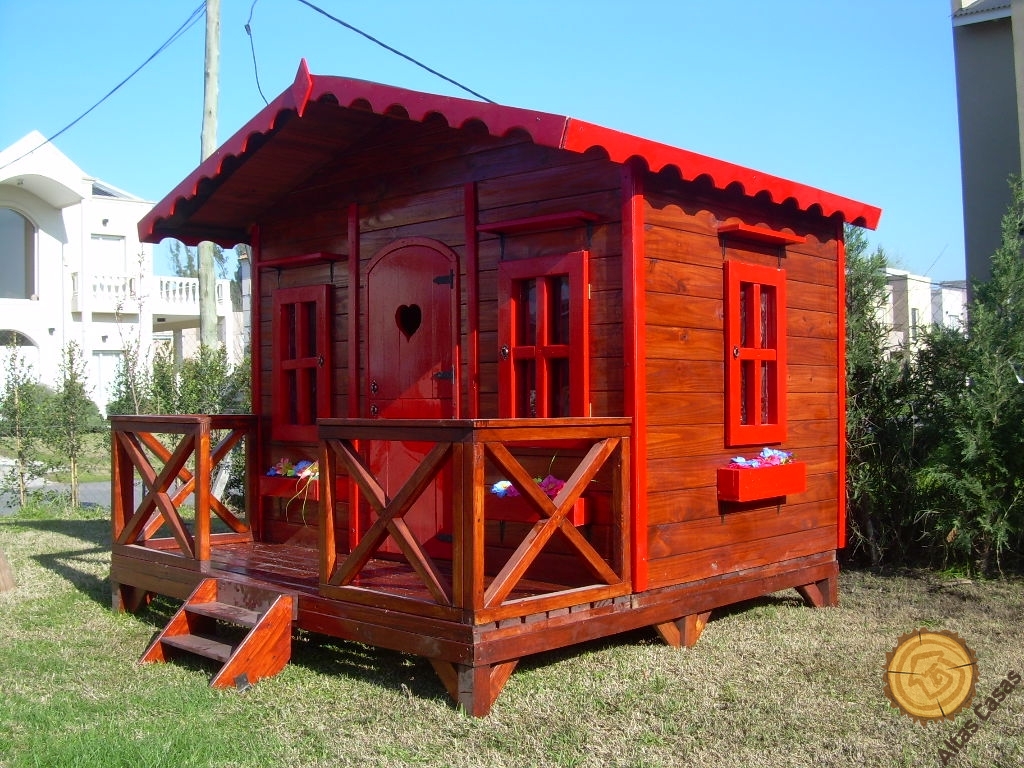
(452, 300)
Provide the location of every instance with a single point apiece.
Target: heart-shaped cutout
(408, 318)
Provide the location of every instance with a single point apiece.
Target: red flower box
(518, 509)
(756, 483)
(297, 488)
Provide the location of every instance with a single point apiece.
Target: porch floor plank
(296, 567)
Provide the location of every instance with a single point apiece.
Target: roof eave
(543, 129)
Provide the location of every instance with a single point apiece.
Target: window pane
(527, 320)
(291, 403)
(765, 393)
(558, 312)
(745, 299)
(309, 343)
(765, 310)
(289, 330)
(311, 377)
(558, 388)
(526, 396)
(17, 255)
(745, 390)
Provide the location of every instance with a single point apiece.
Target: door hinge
(448, 279)
(448, 375)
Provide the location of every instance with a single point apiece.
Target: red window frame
(545, 358)
(301, 383)
(755, 354)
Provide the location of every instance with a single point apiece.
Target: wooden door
(412, 362)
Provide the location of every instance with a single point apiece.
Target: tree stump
(6, 574)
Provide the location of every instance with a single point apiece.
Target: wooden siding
(691, 535)
(412, 182)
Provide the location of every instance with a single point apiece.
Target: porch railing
(173, 459)
(466, 447)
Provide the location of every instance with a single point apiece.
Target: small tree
(73, 414)
(21, 409)
(131, 389)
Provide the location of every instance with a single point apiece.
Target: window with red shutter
(543, 362)
(302, 361)
(755, 354)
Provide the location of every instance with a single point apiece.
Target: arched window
(17, 256)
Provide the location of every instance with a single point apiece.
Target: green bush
(934, 436)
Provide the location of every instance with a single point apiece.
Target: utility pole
(208, 335)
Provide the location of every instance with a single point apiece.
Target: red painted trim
(620, 147)
(353, 311)
(634, 314)
(357, 515)
(301, 87)
(544, 129)
(256, 376)
(472, 302)
(759, 234)
(304, 260)
(841, 383)
(540, 223)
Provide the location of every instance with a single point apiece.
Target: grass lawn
(771, 683)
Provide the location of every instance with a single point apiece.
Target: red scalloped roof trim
(555, 131)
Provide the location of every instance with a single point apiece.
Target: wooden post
(6, 574)
(208, 335)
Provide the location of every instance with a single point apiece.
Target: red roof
(298, 133)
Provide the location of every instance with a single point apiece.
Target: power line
(186, 25)
(395, 51)
(252, 47)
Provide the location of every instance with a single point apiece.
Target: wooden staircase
(247, 629)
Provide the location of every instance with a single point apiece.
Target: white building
(914, 302)
(72, 269)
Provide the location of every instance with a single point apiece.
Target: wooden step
(232, 614)
(201, 646)
(264, 618)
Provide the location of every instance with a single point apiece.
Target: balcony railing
(126, 294)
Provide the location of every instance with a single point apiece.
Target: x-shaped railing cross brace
(553, 517)
(390, 513)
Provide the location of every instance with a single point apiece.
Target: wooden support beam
(474, 688)
(129, 599)
(684, 632)
(821, 594)
(6, 574)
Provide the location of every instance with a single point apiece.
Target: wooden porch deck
(295, 567)
(473, 615)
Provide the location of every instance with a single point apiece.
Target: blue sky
(857, 98)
